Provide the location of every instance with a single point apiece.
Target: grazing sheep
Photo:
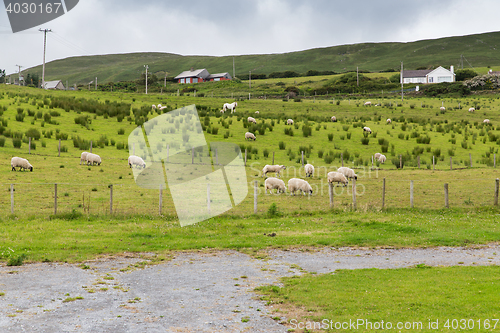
(296, 184)
(377, 156)
(250, 136)
(486, 121)
(272, 168)
(289, 122)
(257, 112)
(153, 106)
(382, 159)
(367, 129)
(221, 111)
(136, 160)
(334, 119)
(337, 177)
(389, 121)
(159, 106)
(230, 106)
(442, 108)
(368, 103)
(309, 168)
(472, 109)
(83, 157)
(22, 163)
(251, 120)
(163, 108)
(93, 158)
(272, 183)
(347, 172)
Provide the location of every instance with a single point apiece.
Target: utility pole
(44, 49)
(95, 83)
(401, 80)
(165, 84)
(249, 79)
(146, 66)
(20, 74)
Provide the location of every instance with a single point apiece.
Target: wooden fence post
(342, 158)
(302, 153)
(255, 197)
(470, 159)
(372, 162)
(12, 198)
(111, 199)
(55, 199)
(411, 193)
(401, 161)
(354, 193)
(330, 193)
(497, 184)
(418, 161)
(383, 193)
(59, 149)
(446, 202)
(245, 157)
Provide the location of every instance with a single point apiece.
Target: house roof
(442, 69)
(203, 73)
(52, 84)
(416, 73)
(213, 76)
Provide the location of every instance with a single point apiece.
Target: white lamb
(377, 156)
(257, 112)
(296, 184)
(442, 108)
(347, 172)
(272, 168)
(250, 136)
(221, 111)
(389, 120)
(289, 122)
(309, 168)
(22, 163)
(472, 109)
(367, 129)
(137, 161)
(382, 159)
(153, 106)
(337, 177)
(251, 120)
(93, 158)
(486, 121)
(368, 103)
(272, 183)
(83, 157)
(334, 119)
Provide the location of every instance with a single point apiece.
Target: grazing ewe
(334, 119)
(230, 106)
(367, 129)
(251, 120)
(347, 172)
(377, 156)
(93, 158)
(272, 183)
(296, 184)
(257, 112)
(136, 160)
(272, 168)
(250, 136)
(309, 168)
(472, 109)
(486, 121)
(221, 111)
(289, 122)
(153, 106)
(389, 121)
(159, 106)
(442, 108)
(83, 157)
(337, 177)
(22, 163)
(368, 103)
(382, 159)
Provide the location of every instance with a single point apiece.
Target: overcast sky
(234, 27)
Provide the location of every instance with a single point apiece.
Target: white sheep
(309, 168)
(486, 121)
(250, 136)
(159, 106)
(389, 121)
(83, 157)
(377, 156)
(93, 158)
(163, 108)
(221, 111)
(337, 177)
(272, 168)
(472, 109)
(251, 120)
(289, 122)
(257, 112)
(136, 160)
(22, 163)
(367, 129)
(382, 159)
(368, 103)
(153, 106)
(347, 172)
(296, 184)
(272, 183)
(334, 119)
(442, 108)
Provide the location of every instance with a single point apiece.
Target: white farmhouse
(437, 75)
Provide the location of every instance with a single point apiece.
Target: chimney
(452, 69)
(192, 69)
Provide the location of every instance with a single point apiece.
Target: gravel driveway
(194, 292)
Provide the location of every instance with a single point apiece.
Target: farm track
(193, 292)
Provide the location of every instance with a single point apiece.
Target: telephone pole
(401, 80)
(44, 50)
(20, 74)
(146, 66)
(249, 79)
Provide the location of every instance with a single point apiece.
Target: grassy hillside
(480, 50)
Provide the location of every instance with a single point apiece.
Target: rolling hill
(480, 50)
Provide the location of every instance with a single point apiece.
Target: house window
(444, 78)
(195, 80)
(217, 79)
(431, 79)
(183, 81)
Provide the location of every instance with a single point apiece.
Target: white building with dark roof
(437, 75)
(219, 77)
(57, 85)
